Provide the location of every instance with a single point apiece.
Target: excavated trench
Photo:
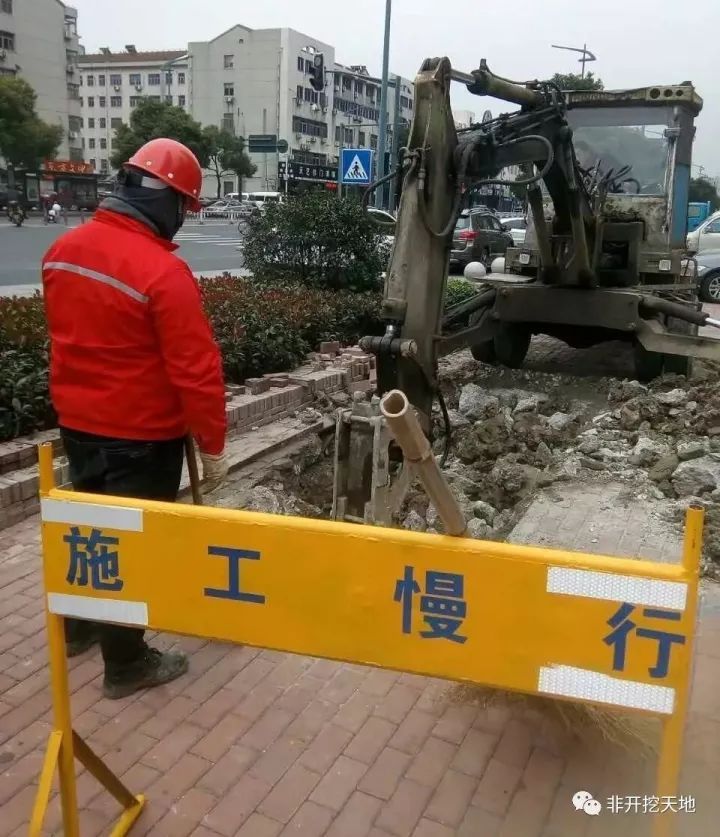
(514, 433)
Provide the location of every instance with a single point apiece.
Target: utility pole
(382, 143)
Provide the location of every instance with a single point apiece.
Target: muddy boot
(152, 669)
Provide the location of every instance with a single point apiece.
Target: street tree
(226, 155)
(574, 81)
(702, 189)
(151, 120)
(25, 139)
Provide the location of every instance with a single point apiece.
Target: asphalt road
(208, 247)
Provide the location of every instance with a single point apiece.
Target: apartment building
(254, 82)
(39, 43)
(113, 83)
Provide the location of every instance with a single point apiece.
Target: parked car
(517, 227)
(479, 236)
(261, 198)
(221, 209)
(706, 236)
(708, 268)
(386, 222)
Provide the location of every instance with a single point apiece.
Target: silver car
(709, 275)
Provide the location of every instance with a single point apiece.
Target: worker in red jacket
(133, 368)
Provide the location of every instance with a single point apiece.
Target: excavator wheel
(511, 345)
(648, 365)
(485, 351)
(678, 364)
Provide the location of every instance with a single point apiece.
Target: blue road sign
(356, 166)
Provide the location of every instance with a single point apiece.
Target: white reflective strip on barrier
(89, 514)
(99, 610)
(617, 588)
(566, 681)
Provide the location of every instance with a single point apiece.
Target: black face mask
(163, 207)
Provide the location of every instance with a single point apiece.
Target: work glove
(215, 470)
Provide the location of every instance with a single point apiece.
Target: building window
(155, 99)
(93, 162)
(101, 80)
(91, 81)
(181, 78)
(228, 61)
(228, 123)
(91, 101)
(104, 165)
(6, 6)
(311, 127)
(102, 101)
(102, 122)
(116, 101)
(135, 101)
(308, 67)
(359, 88)
(373, 141)
(348, 136)
(74, 92)
(115, 122)
(115, 79)
(338, 133)
(91, 143)
(361, 139)
(228, 89)
(307, 94)
(181, 101)
(103, 142)
(299, 92)
(136, 78)
(82, 102)
(301, 64)
(168, 78)
(154, 79)
(346, 83)
(7, 41)
(168, 100)
(91, 122)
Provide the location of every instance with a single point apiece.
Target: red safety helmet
(174, 164)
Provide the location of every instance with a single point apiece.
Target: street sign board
(307, 171)
(266, 144)
(356, 166)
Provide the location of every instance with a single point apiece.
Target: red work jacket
(132, 354)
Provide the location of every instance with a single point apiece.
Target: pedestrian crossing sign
(357, 166)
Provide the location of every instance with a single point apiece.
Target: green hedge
(259, 329)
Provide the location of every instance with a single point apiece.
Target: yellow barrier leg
(45, 784)
(63, 724)
(673, 727)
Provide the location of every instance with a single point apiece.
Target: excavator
(606, 174)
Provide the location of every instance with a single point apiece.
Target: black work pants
(123, 468)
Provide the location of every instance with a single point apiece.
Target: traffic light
(317, 73)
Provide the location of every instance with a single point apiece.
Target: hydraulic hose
(654, 304)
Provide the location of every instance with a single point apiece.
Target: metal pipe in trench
(406, 429)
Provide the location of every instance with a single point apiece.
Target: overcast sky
(637, 42)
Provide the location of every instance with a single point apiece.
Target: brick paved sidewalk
(259, 744)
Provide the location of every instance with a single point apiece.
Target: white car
(706, 236)
(517, 227)
(385, 221)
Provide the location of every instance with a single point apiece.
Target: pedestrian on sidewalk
(133, 368)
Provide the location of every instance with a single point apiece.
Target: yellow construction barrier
(609, 631)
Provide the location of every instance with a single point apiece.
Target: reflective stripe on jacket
(132, 353)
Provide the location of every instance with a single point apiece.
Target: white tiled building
(258, 82)
(112, 84)
(39, 43)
